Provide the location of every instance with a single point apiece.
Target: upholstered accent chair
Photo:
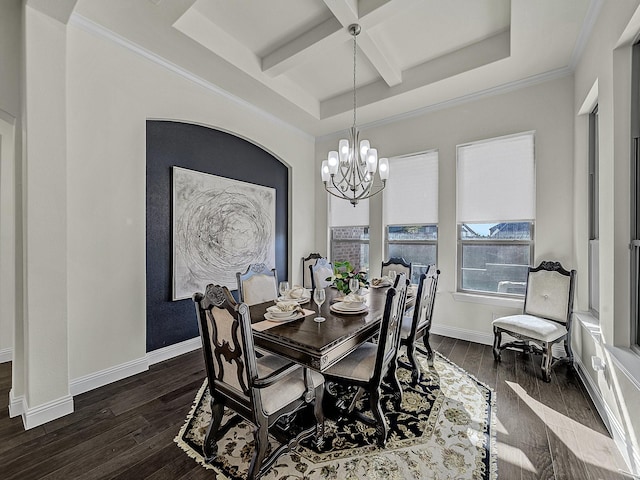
(416, 323)
(306, 270)
(367, 366)
(546, 318)
(399, 264)
(258, 284)
(261, 390)
(320, 271)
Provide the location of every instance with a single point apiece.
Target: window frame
(491, 242)
(410, 242)
(594, 211)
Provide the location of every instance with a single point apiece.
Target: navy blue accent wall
(210, 151)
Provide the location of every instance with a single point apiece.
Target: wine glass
(319, 296)
(354, 285)
(283, 288)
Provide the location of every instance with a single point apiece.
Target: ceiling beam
(303, 48)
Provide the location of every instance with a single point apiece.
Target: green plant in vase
(342, 273)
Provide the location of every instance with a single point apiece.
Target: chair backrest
(258, 284)
(320, 272)
(306, 271)
(389, 340)
(549, 292)
(425, 301)
(400, 265)
(227, 346)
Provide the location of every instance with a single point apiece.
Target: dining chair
(416, 323)
(258, 284)
(306, 271)
(399, 264)
(260, 390)
(545, 319)
(370, 363)
(320, 271)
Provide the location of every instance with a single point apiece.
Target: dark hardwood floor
(125, 430)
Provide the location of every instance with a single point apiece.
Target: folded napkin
(353, 298)
(286, 305)
(380, 281)
(298, 292)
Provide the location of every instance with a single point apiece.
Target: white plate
(270, 317)
(341, 308)
(300, 300)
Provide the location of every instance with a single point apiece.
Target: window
(496, 213)
(349, 232)
(594, 243)
(411, 211)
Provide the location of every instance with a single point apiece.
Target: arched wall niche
(208, 150)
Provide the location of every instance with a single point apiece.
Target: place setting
(282, 312)
(352, 303)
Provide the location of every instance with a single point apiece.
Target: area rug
(445, 429)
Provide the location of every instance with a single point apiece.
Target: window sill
(625, 359)
(488, 300)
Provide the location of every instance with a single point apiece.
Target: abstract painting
(220, 226)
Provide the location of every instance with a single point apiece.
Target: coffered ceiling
(293, 58)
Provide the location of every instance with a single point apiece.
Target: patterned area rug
(445, 430)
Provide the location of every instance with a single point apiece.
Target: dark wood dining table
(319, 345)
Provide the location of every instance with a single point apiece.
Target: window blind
(496, 180)
(343, 214)
(411, 195)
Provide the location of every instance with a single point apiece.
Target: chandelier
(349, 172)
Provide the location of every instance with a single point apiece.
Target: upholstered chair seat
(358, 365)
(530, 326)
(287, 390)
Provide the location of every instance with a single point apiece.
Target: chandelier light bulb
(332, 162)
(343, 150)
(383, 166)
(324, 171)
(364, 148)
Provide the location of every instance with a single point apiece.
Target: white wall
(607, 61)
(546, 108)
(111, 92)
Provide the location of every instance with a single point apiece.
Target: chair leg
(547, 357)
(427, 346)
(319, 415)
(210, 447)
(395, 383)
(261, 436)
(413, 364)
(382, 429)
(497, 338)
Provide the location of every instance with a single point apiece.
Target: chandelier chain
(354, 78)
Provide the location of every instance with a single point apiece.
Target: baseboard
(6, 355)
(166, 353)
(34, 417)
(462, 334)
(630, 455)
(16, 405)
(107, 376)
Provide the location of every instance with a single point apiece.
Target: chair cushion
(531, 326)
(287, 390)
(358, 365)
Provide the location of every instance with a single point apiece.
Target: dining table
(319, 345)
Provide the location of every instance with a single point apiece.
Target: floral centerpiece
(342, 273)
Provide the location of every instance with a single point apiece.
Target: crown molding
(585, 32)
